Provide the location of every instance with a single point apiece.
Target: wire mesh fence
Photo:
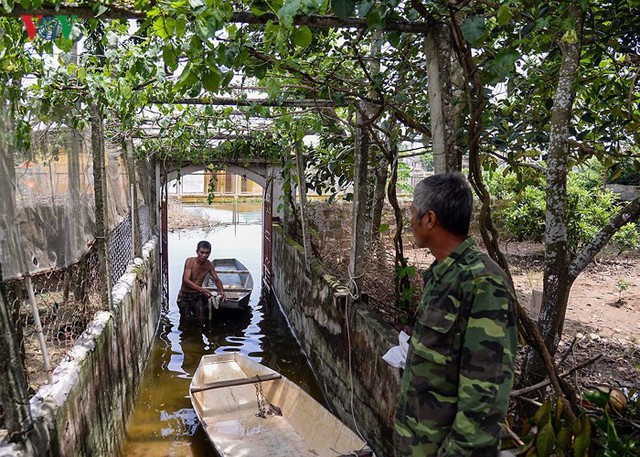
(51, 309)
(62, 303)
(120, 249)
(145, 223)
(49, 242)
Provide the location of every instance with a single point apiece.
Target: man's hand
(206, 293)
(223, 296)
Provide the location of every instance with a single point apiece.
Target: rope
(353, 286)
(353, 415)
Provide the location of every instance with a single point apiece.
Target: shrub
(589, 207)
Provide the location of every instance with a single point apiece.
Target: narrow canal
(163, 422)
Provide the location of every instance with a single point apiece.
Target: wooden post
(100, 195)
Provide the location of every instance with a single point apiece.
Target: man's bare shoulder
(190, 262)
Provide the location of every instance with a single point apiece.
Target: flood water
(163, 422)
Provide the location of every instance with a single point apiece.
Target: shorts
(192, 304)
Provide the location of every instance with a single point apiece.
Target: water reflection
(163, 421)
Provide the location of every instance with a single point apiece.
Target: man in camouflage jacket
(459, 369)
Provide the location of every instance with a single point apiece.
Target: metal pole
(38, 325)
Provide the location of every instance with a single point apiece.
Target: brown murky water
(163, 422)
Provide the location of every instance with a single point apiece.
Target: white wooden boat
(236, 280)
(248, 409)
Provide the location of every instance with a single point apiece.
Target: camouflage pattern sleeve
(486, 368)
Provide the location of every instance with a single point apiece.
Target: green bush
(589, 207)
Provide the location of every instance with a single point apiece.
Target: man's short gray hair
(449, 196)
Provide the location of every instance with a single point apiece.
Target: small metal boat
(248, 409)
(236, 280)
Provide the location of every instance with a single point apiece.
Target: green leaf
(543, 414)
(302, 36)
(502, 65)
(64, 44)
(258, 11)
(563, 438)
(364, 7)
(545, 441)
(159, 28)
(374, 21)
(288, 12)
(504, 15)
(195, 4)
(273, 88)
(384, 228)
(202, 29)
(597, 397)
(99, 9)
(473, 29)
(170, 25)
(170, 57)
(393, 38)
(582, 432)
(180, 25)
(343, 8)
(211, 79)
(260, 71)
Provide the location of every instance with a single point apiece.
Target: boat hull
(293, 423)
(236, 281)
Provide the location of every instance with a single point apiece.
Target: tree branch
(324, 103)
(546, 382)
(313, 21)
(630, 213)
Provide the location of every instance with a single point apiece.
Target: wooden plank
(236, 382)
(230, 289)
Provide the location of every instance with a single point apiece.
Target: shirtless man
(193, 298)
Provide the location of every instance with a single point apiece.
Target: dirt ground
(603, 314)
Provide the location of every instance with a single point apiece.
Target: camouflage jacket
(459, 371)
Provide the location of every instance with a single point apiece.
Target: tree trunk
(361, 209)
(13, 394)
(381, 172)
(443, 138)
(302, 187)
(100, 195)
(557, 281)
(400, 261)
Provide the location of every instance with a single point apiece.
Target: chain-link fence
(50, 245)
(53, 308)
(120, 249)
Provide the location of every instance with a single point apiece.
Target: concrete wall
(84, 411)
(338, 335)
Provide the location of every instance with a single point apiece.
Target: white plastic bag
(214, 301)
(397, 355)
